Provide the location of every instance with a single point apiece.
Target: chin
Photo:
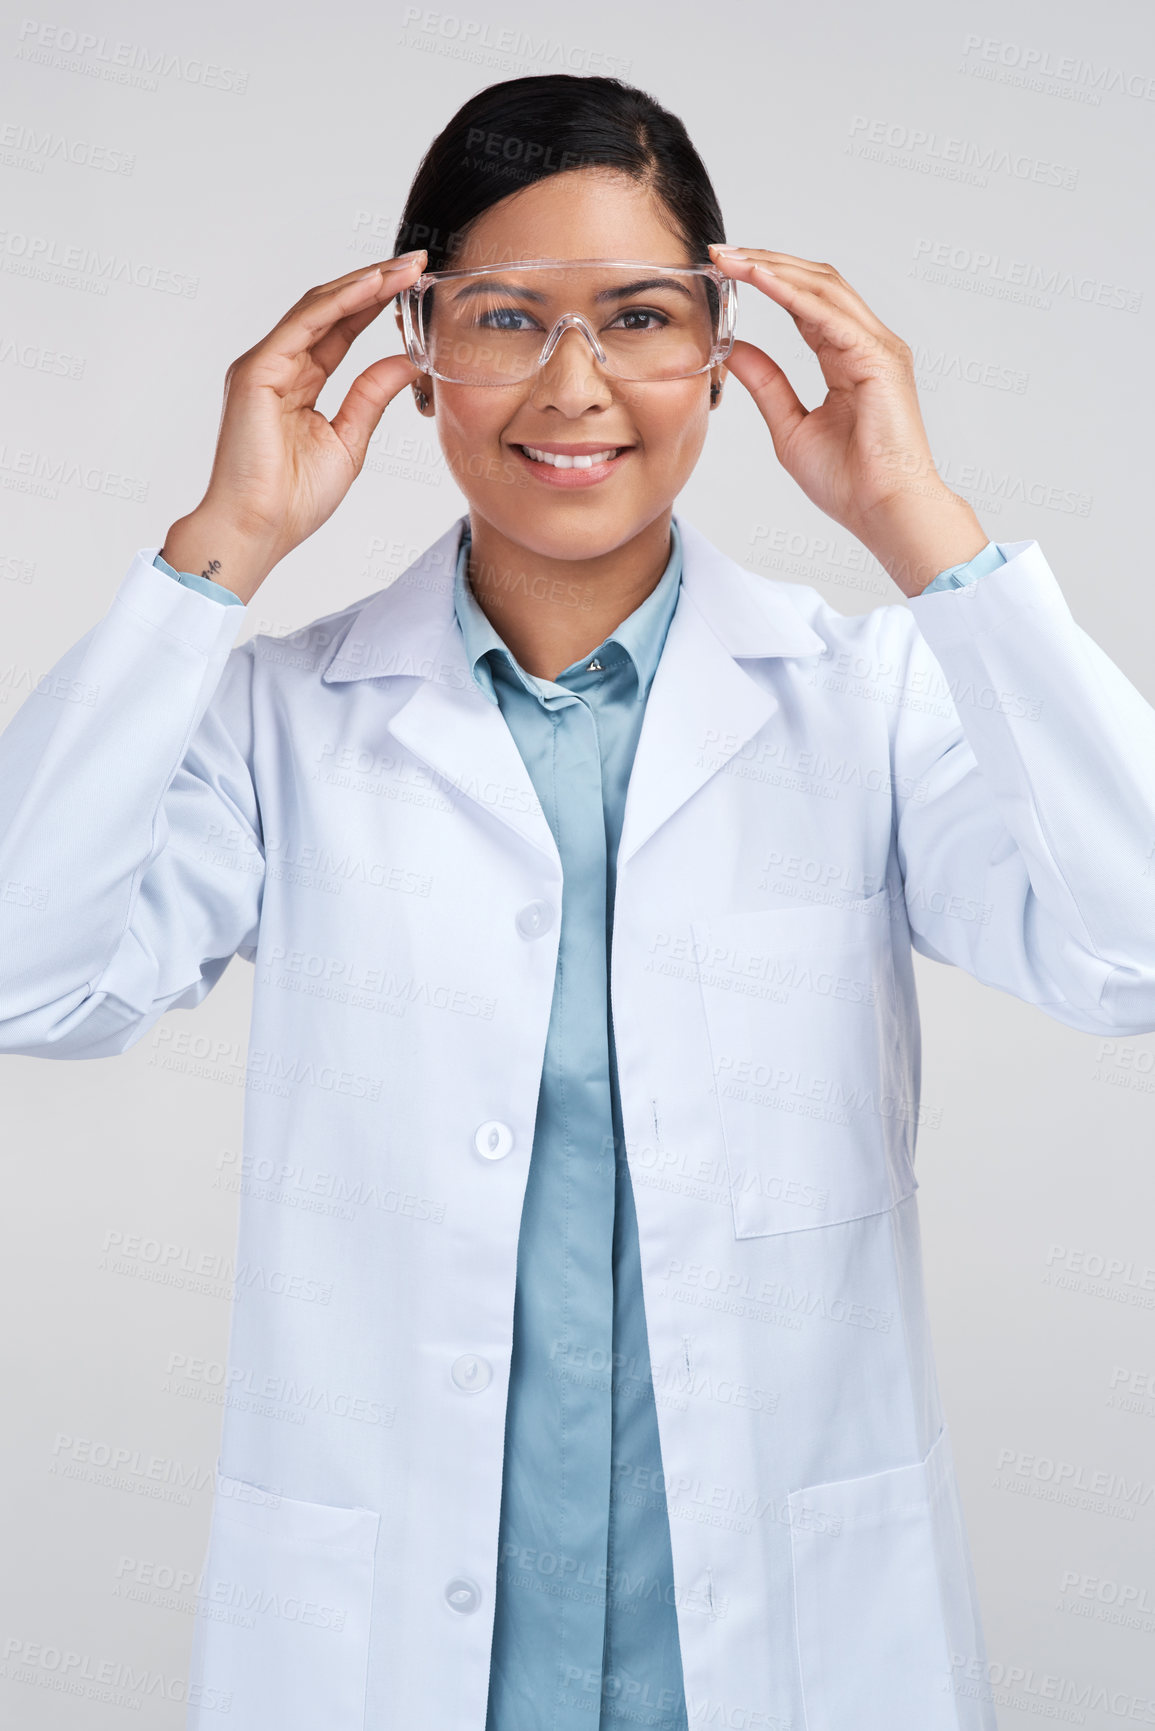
(575, 534)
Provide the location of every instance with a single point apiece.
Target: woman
(578, 1306)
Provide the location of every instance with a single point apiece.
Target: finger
(765, 255)
(354, 275)
(827, 315)
(330, 350)
(728, 252)
(366, 401)
(778, 402)
(822, 279)
(311, 321)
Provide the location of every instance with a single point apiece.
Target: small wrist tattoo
(211, 568)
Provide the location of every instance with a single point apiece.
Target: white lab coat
(812, 794)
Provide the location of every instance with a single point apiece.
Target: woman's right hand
(281, 469)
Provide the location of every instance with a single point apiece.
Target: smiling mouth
(582, 460)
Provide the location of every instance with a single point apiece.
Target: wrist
(915, 537)
(210, 546)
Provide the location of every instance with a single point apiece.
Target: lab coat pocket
(282, 1637)
(810, 1078)
(883, 1601)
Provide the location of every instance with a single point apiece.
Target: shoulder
(396, 628)
(306, 648)
(889, 626)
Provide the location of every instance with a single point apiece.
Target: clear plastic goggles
(499, 324)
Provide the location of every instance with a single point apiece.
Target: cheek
(676, 425)
(470, 428)
(472, 420)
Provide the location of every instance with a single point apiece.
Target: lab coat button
(471, 1373)
(534, 919)
(463, 1595)
(493, 1139)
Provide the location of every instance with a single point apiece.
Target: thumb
(366, 401)
(777, 400)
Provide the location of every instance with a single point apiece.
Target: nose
(571, 377)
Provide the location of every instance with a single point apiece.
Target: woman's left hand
(862, 456)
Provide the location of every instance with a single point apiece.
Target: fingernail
(716, 246)
(406, 257)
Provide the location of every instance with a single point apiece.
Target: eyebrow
(469, 290)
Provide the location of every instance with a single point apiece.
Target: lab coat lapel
(702, 708)
(411, 629)
(451, 726)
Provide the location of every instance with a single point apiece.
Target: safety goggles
(500, 323)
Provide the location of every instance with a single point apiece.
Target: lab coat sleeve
(1024, 773)
(206, 586)
(131, 852)
(988, 558)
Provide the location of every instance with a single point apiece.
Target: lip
(570, 478)
(572, 450)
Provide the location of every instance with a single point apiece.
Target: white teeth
(586, 462)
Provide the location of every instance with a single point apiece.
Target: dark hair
(525, 129)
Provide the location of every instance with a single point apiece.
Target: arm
(1024, 850)
(1024, 844)
(131, 852)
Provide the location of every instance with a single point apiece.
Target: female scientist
(579, 1313)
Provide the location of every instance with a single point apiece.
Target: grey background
(243, 154)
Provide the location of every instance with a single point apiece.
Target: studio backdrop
(172, 183)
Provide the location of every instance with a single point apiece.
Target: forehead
(582, 213)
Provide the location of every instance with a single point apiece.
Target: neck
(552, 611)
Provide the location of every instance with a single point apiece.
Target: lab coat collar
(702, 708)
(401, 629)
(641, 634)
